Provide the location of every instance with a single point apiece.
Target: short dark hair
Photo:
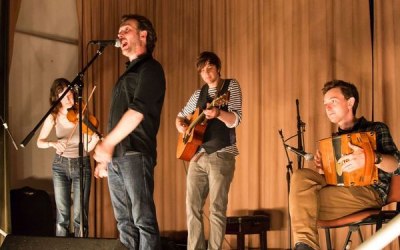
(208, 57)
(348, 90)
(143, 24)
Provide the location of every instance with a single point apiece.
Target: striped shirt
(234, 106)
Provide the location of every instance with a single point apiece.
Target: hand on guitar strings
(353, 161)
(212, 113)
(181, 125)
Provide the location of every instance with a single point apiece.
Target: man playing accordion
(311, 198)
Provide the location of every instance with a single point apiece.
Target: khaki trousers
(211, 175)
(311, 198)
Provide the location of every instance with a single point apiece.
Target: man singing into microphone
(129, 150)
(311, 198)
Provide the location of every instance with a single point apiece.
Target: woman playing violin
(66, 161)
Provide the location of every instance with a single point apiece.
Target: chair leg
(328, 239)
(263, 240)
(240, 241)
(379, 223)
(347, 242)
(360, 234)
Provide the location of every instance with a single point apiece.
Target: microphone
(115, 42)
(305, 155)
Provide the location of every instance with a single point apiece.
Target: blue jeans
(65, 176)
(131, 184)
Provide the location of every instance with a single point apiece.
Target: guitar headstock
(221, 100)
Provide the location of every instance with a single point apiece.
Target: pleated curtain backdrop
(279, 51)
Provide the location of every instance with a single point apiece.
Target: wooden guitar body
(189, 142)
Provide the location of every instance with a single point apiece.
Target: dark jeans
(65, 177)
(131, 184)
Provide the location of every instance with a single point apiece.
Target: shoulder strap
(204, 93)
(224, 87)
(202, 101)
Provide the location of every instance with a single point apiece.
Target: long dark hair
(57, 88)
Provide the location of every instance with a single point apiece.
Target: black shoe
(302, 246)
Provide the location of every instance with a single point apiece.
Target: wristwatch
(378, 158)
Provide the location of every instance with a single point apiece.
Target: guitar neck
(200, 118)
(196, 121)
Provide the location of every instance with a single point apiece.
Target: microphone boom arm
(76, 81)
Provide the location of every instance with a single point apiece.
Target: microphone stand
(289, 168)
(289, 171)
(300, 130)
(77, 82)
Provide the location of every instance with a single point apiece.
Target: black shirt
(141, 88)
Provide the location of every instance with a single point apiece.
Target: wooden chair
(354, 221)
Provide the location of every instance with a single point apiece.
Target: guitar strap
(203, 97)
(220, 86)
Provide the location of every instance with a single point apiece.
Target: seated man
(311, 198)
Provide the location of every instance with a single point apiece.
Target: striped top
(234, 106)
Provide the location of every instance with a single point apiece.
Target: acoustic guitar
(189, 142)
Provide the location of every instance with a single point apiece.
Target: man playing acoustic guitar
(311, 198)
(212, 160)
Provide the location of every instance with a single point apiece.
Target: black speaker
(174, 240)
(31, 212)
(15, 242)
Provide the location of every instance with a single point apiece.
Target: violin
(89, 122)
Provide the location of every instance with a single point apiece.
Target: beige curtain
(5, 221)
(279, 51)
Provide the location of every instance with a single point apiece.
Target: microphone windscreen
(117, 43)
